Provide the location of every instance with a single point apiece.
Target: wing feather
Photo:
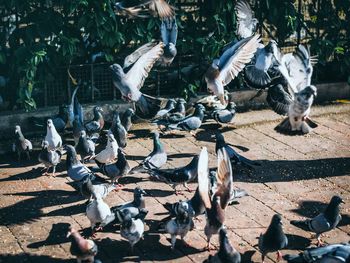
(203, 177)
(224, 177)
(162, 8)
(244, 19)
(134, 56)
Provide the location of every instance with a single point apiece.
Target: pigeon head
(333, 209)
(83, 134)
(110, 137)
(49, 124)
(182, 213)
(117, 72)
(45, 144)
(97, 109)
(130, 112)
(71, 231)
(170, 104)
(231, 106)
(309, 91)
(116, 118)
(276, 220)
(127, 219)
(17, 129)
(138, 192)
(71, 155)
(220, 140)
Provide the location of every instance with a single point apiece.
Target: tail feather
(138, 169)
(311, 123)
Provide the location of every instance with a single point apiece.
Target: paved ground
(297, 177)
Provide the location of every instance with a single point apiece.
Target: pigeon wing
(224, 177)
(245, 24)
(319, 224)
(133, 57)
(162, 8)
(278, 99)
(203, 178)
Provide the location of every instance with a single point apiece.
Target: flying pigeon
(132, 228)
(84, 249)
(324, 222)
(21, 144)
(144, 8)
(234, 156)
(97, 123)
(226, 115)
(130, 83)
(216, 202)
(138, 202)
(156, 159)
(110, 152)
(85, 146)
(180, 225)
(279, 99)
(246, 22)
(168, 31)
(182, 175)
(170, 105)
(50, 158)
(118, 130)
(223, 70)
(227, 253)
(336, 253)
(274, 238)
(52, 136)
(126, 119)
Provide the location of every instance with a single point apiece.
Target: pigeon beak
(342, 202)
(68, 234)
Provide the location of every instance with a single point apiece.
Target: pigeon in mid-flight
(323, 222)
(274, 238)
(21, 144)
(246, 22)
(223, 70)
(52, 136)
(168, 31)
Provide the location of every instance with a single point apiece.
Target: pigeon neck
(97, 115)
(71, 159)
(332, 212)
(157, 145)
(20, 136)
(180, 108)
(121, 159)
(199, 113)
(80, 241)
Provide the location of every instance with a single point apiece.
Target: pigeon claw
(279, 256)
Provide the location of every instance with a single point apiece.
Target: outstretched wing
(245, 19)
(139, 72)
(162, 8)
(203, 177)
(224, 177)
(236, 57)
(279, 99)
(134, 56)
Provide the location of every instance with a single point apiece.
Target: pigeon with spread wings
(246, 22)
(217, 202)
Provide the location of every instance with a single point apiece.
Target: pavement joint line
(19, 244)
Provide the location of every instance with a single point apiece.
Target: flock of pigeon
(287, 80)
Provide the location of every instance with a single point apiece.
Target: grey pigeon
(84, 249)
(138, 202)
(274, 238)
(52, 136)
(226, 253)
(126, 119)
(323, 222)
(156, 159)
(174, 177)
(78, 127)
(279, 99)
(132, 228)
(222, 71)
(118, 130)
(21, 144)
(216, 202)
(108, 154)
(90, 188)
(50, 158)
(179, 107)
(174, 116)
(226, 115)
(246, 22)
(170, 105)
(335, 253)
(235, 157)
(97, 123)
(168, 30)
(85, 146)
(180, 225)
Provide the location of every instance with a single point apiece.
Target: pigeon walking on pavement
(90, 188)
(119, 131)
(85, 146)
(126, 119)
(226, 115)
(50, 158)
(108, 154)
(170, 105)
(21, 144)
(138, 201)
(97, 123)
(52, 136)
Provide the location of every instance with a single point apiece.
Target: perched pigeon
(156, 159)
(216, 202)
(117, 169)
(97, 124)
(85, 146)
(118, 130)
(126, 119)
(90, 188)
(132, 228)
(130, 83)
(144, 8)
(182, 175)
(138, 202)
(246, 22)
(274, 238)
(168, 31)
(336, 253)
(170, 105)
(324, 222)
(234, 156)
(50, 158)
(222, 71)
(226, 115)
(78, 127)
(52, 136)
(226, 253)
(21, 144)
(110, 152)
(180, 225)
(84, 249)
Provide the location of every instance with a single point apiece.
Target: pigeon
(118, 213)
(246, 22)
(118, 130)
(71, 114)
(223, 70)
(216, 202)
(212, 102)
(85, 146)
(126, 119)
(336, 253)
(90, 188)
(226, 115)
(50, 158)
(323, 222)
(21, 144)
(179, 107)
(226, 253)
(138, 202)
(97, 124)
(144, 8)
(117, 169)
(182, 175)
(234, 156)
(78, 110)
(78, 127)
(84, 249)
(52, 136)
(274, 238)
(168, 31)
(132, 228)
(170, 105)
(130, 83)
(180, 225)
(191, 122)
(174, 116)
(156, 159)
(110, 152)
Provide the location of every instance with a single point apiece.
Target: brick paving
(297, 178)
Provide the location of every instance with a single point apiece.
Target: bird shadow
(28, 175)
(25, 257)
(172, 135)
(154, 192)
(135, 157)
(247, 256)
(130, 180)
(180, 155)
(140, 133)
(297, 242)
